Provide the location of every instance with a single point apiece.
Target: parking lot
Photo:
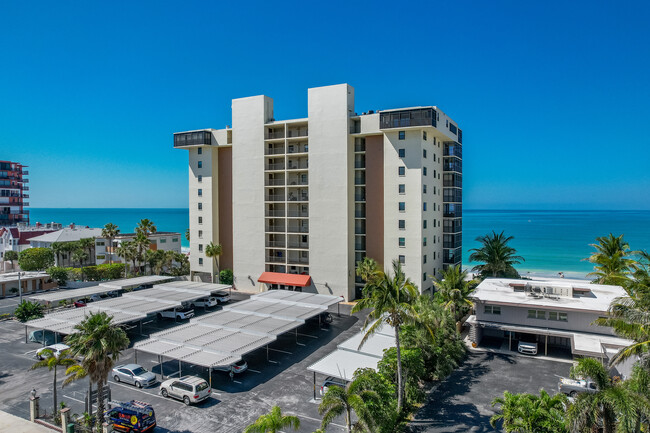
(463, 402)
(283, 380)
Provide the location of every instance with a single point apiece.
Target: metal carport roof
(343, 363)
(131, 283)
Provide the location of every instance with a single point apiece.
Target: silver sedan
(134, 374)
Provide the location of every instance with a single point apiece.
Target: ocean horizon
(550, 241)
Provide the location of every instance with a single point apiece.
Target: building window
(200, 220)
(200, 150)
(200, 192)
(200, 248)
(424, 206)
(174, 239)
(434, 188)
(434, 157)
(401, 171)
(163, 240)
(200, 164)
(402, 259)
(200, 260)
(434, 173)
(401, 224)
(402, 206)
(424, 259)
(434, 255)
(424, 171)
(537, 314)
(401, 153)
(554, 315)
(402, 188)
(492, 309)
(99, 244)
(424, 243)
(200, 178)
(424, 224)
(424, 135)
(402, 135)
(200, 234)
(200, 206)
(424, 153)
(402, 242)
(424, 188)
(435, 221)
(424, 276)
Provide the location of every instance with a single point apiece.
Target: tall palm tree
(87, 244)
(338, 401)
(390, 299)
(187, 234)
(611, 260)
(170, 256)
(58, 248)
(110, 231)
(613, 406)
(367, 269)
(100, 343)
(528, 413)
(214, 251)
(497, 256)
(80, 256)
(273, 422)
(146, 227)
(453, 292)
(128, 251)
(52, 362)
(77, 372)
(142, 244)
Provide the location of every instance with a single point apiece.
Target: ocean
(549, 241)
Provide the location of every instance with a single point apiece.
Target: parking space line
(316, 419)
(75, 399)
(307, 335)
(254, 371)
(236, 381)
(31, 351)
(133, 388)
(281, 351)
(300, 344)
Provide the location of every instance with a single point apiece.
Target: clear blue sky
(552, 97)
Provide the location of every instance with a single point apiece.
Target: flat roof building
(13, 184)
(314, 196)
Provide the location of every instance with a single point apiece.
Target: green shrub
(58, 274)
(226, 276)
(27, 310)
(74, 274)
(36, 259)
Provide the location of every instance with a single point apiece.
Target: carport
(348, 357)
(237, 329)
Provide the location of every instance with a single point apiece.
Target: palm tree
(390, 299)
(169, 258)
(498, 258)
(87, 244)
(58, 248)
(128, 251)
(611, 260)
(52, 362)
(453, 292)
(613, 406)
(273, 422)
(214, 251)
(80, 256)
(77, 372)
(187, 234)
(367, 269)
(100, 343)
(146, 227)
(338, 401)
(528, 413)
(110, 231)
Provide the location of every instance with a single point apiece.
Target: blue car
(131, 417)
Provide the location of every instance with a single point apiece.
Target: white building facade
(314, 196)
(164, 241)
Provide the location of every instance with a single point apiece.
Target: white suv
(180, 313)
(205, 302)
(189, 389)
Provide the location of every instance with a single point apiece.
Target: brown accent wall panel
(225, 206)
(375, 198)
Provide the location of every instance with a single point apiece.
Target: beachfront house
(557, 314)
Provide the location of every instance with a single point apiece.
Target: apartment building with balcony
(13, 187)
(311, 197)
(106, 253)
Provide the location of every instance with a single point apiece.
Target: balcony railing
(359, 197)
(452, 256)
(276, 244)
(355, 128)
(453, 179)
(453, 149)
(296, 148)
(198, 138)
(278, 166)
(297, 197)
(299, 260)
(298, 132)
(304, 245)
(274, 151)
(298, 214)
(452, 195)
(452, 241)
(452, 226)
(452, 164)
(25, 188)
(406, 118)
(25, 172)
(274, 182)
(274, 197)
(277, 228)
(297, 181)
(297, 166)
(270, 135)
(275, 259)
(297, 229)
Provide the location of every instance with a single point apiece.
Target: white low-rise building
(68, 234)
(557, 314)
(165, 241)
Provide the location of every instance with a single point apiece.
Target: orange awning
(286, 279)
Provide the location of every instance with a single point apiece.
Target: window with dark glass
(401, 171)
(402, 206)
(402, 242)
(401, 224)
(402, 188)
(402, 135)
(200, 164)
(402, 259)
(401, 153)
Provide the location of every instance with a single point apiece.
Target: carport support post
(314, 386)
(141, 327)
(546, 346)
(267, 352)
(180, 372)
(509, 340)
(136, 355)
(210, 370)
(25, 333)
(160, 362)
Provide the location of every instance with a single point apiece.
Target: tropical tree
(413, 372)
(187, 234)
(497, 257)
(52, 362)
(99, 343)
(110, 231)
(11, 255)
(36, 259)
(214, 251)
(58, 248)
(58, 274)
(28, 310)
(613, 406)
(367, 269)
(79, 256)
(611, 260)
(390, 300)
(142, 245)
(127, 250)
(528, 413)
(273, 422)
(453, 292)
(87, 244)
(339, 401)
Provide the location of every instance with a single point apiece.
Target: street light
(20, 288)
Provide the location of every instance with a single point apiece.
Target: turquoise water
(550, 241)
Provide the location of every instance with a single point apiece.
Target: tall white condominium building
(297, 203)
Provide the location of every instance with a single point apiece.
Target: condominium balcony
(276, 244)
(298, 213)
(298, 196)
(25, 188)
(272, 134)
(300, 131)
(452, 241)
(274, 182)
(452, 195)
(297, 260)
(355, 127)
(452, 225)
(274, 166)
(359, 144)
(197, 138)
(298, 245)
(453, 149)
(297, 148)
(274, 213)
(360, 161)
(359, 177)
(274, 150)
(275, 259)
(452, 257)
(25, 173)
(274, 228)
(453, 179)
(274, 197)
(297, 165)
(452, 164)
(297, 229)
(406, 118)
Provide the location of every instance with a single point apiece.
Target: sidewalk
(14, 424)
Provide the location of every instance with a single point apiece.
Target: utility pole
(20, 288)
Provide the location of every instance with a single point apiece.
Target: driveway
(463, 402)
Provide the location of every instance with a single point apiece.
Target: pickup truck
(572, 387)
(180, 313)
